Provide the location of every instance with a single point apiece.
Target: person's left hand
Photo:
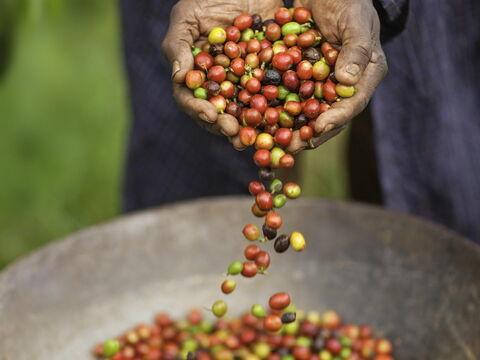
(353, 25)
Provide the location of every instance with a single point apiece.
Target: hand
(353, 25)
(190, 23)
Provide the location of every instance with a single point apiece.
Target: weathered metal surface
(417, 283)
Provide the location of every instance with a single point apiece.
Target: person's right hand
(190, 23)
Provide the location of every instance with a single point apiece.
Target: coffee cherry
(217, 36)
(228, 286)
(273, 32)
(273, 220)
(259, 102)
(302, 15)
(268, 232)
(247, 135)
(194, 79)
(235, 268)
(255, 187)
(297, 241)
(219, 308)
(243, 21)
(275, 156)
(304, 70)
(219, 102)
(262, 158)
(231, 49)
(238, 66)
(344, 91)
(292, 190)
(288, 317)
(287, 161)
(258, 311)
(279, 301)
(217, 73)
(253, 85)
(233, 33)
(311, 109)
(283, 137)
(264, 141)
(257, 212)
(251, 232)
(203, 61)
(282, 61)
(262, 260)
(264, 200)
(251, 251)
(272, 323)
(306, 133)
(283, 16)
(250, 269)
(307, 89)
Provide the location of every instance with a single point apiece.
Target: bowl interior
(415, 282)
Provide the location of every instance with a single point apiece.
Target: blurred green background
(64, 116)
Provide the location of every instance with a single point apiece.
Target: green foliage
(62, 120)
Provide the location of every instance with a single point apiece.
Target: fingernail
(352, 69)
(204, 117)
(175, 68)
(329, 127)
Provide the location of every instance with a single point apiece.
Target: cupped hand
(353, 25)
(190, 23)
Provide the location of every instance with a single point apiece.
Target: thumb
(355, 54)
(178, 42)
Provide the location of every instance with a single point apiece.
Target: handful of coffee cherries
(274, 76)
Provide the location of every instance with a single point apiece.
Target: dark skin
(353, 24)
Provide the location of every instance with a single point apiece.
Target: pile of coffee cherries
(274, 76)
(310, 336)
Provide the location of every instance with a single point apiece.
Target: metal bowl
(415, 282)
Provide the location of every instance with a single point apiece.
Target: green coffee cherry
(247, 34)
(282, 92)
(279, 201)
(292, 97)
(276, 186)
(200, 93)
(291, 28)
(235, 268)
(196, 51)
(260, 35)
(219, 308)
(258, 311)
(110, 347)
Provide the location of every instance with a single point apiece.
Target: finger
(357, 43)
(211, 128)
(343, 111)
(300, 3)
(195, 108)
(228, 124)
(178, 42)
(297, 144)
(237, 144)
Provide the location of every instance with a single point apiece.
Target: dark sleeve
(393, 16)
